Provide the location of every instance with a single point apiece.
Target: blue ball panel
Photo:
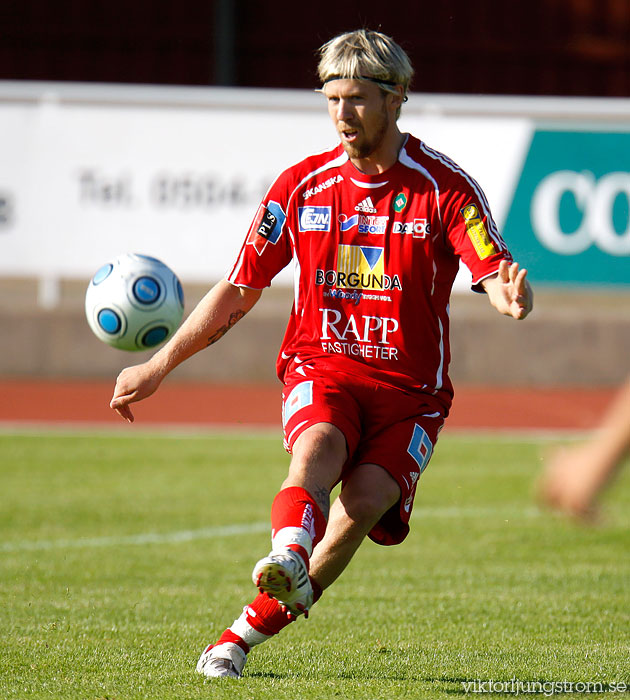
(146, 290)
(180, 293)
(102, 273)
(109, 321)
(154, 336)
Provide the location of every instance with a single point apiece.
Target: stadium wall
(573, 338)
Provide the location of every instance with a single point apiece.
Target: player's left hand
(509, 291)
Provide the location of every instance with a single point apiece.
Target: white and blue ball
(134, 302)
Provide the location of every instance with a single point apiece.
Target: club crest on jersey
(400, 202)
(267, 226)
(477, 232)
(314, 219)
(359, 267)
(366, 206)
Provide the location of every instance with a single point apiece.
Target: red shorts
(382, 425)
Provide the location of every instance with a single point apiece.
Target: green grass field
(124, 555)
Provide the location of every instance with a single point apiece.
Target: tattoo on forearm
(322, 498)
(219, 333)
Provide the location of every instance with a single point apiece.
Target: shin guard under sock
(297, 521)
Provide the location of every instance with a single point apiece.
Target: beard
(364, 146)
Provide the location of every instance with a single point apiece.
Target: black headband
(378, 81)
(391, 83)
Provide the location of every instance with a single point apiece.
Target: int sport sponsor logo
(314, 219)
(359, 267)
(334, 180)
(418, 228)
(365, 223)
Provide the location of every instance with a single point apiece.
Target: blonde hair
(366, 55)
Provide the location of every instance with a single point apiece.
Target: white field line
(138, 430)
(192, 431)
(499, 512)
(139, 539)
(177, 537)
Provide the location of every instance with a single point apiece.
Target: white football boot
(222, 661)
(283, 575)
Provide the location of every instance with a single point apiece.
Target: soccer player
(376, 228)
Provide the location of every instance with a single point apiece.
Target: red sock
(266, 616)
(297, 521)
(261, 619)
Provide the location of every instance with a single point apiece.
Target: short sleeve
(472, 232)
(266, 249)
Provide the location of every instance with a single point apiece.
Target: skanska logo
(334, 180)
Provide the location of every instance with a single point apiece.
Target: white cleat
(222, 661)
(283, 576)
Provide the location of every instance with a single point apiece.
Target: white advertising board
(87, 175)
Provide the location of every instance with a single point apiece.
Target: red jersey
(375, 258)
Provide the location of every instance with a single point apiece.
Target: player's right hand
(133, 384)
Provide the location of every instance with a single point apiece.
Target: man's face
(361, 113)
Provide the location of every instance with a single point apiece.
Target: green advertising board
(569, 221)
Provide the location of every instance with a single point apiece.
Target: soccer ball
(134, 302)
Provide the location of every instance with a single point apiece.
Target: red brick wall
(539, 47)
